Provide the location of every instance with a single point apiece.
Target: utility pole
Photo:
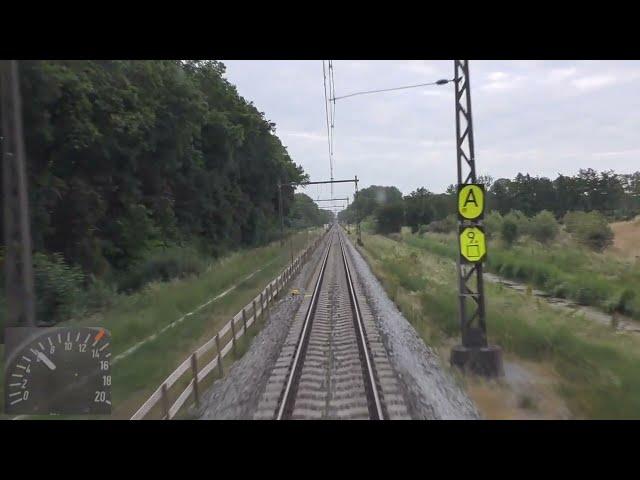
(280, 212)
(355, 198)
(474, 354)
(17, 234)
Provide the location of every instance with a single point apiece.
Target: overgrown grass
(600, 370)
(135, 317)
(599, 280)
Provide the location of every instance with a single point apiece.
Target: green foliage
(368, 200)
(305, 213)
(58, 288)
(163, 265)
(389, 217)
(445, 225)
(544, 227)
(592, 230)
(571, 221)
(573, 273)
(127, 154)
(509, 229)
(493, 224)
(99, 295)
(418, 208)
(615, 195)
(600, 376)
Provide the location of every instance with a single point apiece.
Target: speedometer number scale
(58, 371)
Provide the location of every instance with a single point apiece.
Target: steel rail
(287, 397)
(370, 374)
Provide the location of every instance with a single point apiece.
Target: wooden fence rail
(244, 319)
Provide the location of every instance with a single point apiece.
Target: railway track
(333, 364)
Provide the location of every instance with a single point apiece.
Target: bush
(544, 227)
(99, 294)
(389, 218)
(493, 223)
(446, 225)
(58, 288)
(593, 230)
(571, 220)
(163, 265)
(509, 230)
(521, 220)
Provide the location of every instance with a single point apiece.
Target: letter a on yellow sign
(471, 201)
(473, 247)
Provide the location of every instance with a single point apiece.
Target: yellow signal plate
(471, 201)
(473, 247)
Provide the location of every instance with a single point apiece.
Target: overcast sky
(540, 117)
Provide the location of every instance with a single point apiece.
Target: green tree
(544, 227)
(594, 231)
(509, 230)
(418, 208)
(389, 217)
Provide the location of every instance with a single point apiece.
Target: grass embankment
(563, 270)
(626, 240)
(137, 316)
(599, 370)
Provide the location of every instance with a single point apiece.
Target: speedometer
(58, 370)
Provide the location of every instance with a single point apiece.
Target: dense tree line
(305, 213)
(615, 196)
(368, 200)
(126, 156)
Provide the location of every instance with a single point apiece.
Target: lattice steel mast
(474, 353)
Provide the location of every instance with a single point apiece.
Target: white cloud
(499, 81)
(529, 116)
(497, 76)
(619, 153)
(593, 82)
(422, 67)
(561, 74)
(313, 136)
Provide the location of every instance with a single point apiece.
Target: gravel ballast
(430, 391)
(236, 396)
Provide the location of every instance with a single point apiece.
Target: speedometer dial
(58, 371)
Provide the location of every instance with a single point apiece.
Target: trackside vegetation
(573, 272)
(152, 332)
(144, 171)
(599, 370)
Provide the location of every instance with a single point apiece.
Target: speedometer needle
(44, 359)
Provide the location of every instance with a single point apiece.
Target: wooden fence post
(219, 356)
(165, 401)
(233, 335)
(194, 369)
(255, 312)
(244, 319)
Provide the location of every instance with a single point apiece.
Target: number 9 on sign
(473, 248)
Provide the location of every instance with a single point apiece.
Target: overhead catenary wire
(326, 109)
(366, 92)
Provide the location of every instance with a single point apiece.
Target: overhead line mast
(330, 111)
(474, 353)
(18, 260)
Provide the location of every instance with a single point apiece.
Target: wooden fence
(216, 348)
